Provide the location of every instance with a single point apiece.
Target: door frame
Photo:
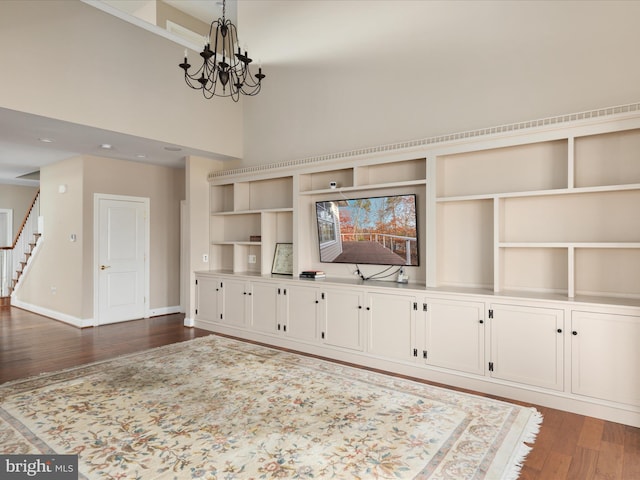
(10, 234)
(97, 197)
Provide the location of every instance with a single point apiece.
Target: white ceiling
(22, 151)
(339, 33)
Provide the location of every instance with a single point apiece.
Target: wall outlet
(252, 259)
(205, 258)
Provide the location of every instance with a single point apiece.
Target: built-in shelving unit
(529, 279)
(549, 213)
(247, 220)
(398, 175)
(405, 175)
(551, 217)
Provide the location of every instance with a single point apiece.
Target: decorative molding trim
(471, 134)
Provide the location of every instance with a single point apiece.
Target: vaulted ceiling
(335, 34)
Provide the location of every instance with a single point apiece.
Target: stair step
(5, 301)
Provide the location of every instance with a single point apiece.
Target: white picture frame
(283, 259)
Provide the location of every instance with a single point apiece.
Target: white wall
(60, 280)
(19, 199)
(555, 58)
(54, 280)
(67, 60)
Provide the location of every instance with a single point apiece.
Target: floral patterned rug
(218, 408)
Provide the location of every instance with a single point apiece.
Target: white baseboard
(79, 322)
(154, 312)
(62, 317)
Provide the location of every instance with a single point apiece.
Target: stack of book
(312, 274)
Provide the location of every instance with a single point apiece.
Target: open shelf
(522, 168)
(247, 212)
(607, 159)
(587, 217)
(221, 198)
(391, 173)
(234, 228)
(542, 269)
(608, 272)
(321, 180)
(363, 188)
(272, 193)
(543, 193)
(465, 244)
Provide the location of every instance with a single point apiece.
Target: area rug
(218, 408)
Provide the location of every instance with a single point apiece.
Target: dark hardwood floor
(569, 446)
(31, 344)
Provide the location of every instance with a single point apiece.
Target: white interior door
(121, 258)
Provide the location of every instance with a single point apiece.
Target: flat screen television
(372, 230)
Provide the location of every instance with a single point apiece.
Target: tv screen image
(372, 230)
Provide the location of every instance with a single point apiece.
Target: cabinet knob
(317, 301)
(368, 308)
(559, 330)
(574, 333)
(360, 307)
(481, 321)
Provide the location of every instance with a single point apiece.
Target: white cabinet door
(391, 322)
(209, 299)
(303, 307)
(287, 309)
(237, 302)
(454, 335)
(265, 306)
(527, 345)
(343, 318)
(605, 356)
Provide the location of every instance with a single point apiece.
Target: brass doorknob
(104, 267)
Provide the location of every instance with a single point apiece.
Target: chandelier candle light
(223, 73)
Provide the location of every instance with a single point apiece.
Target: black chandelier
(223, 73)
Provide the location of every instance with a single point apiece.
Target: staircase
(23, 263)
(15, 259)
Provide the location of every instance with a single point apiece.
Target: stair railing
(15, 257)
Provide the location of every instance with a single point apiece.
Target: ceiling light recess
(223, 73)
